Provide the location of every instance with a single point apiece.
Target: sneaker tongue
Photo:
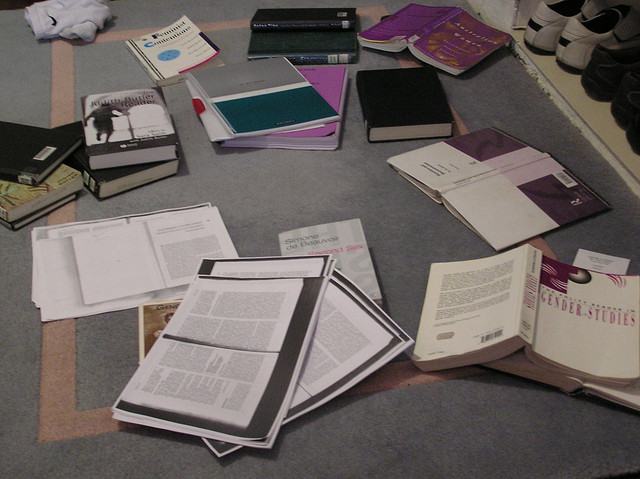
(629, 26)
(592, 7)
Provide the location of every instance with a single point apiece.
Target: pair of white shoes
(571, 29)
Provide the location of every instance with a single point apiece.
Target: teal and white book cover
(264, 96)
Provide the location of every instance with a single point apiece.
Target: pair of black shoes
(614, 75)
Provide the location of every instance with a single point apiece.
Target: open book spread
(526, 191)
(141, 258)
(176, 49)
(226, 365)
(353, 336)
(448, 38)
(578, 323)
(256, 98)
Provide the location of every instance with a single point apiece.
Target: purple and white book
(331, 83)
(448, 38)
(504, 190)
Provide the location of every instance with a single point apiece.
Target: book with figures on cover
(527, 314)
(448, 38)
(128, 127)
(526, 191)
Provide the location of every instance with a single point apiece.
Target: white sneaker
(543, 29)
(609, 27)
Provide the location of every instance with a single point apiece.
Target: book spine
(322, 59)
(91, 183)
(316, 26)
(144, 61)
(22, 178)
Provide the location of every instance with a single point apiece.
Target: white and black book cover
(128, 127)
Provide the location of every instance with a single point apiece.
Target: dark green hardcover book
(305, 47)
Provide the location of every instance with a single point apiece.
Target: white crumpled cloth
(67, 18)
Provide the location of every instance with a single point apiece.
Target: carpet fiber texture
(59, 379)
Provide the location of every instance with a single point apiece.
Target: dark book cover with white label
(28, 154)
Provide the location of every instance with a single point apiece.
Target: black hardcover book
(305, 47)
(107, 182)
(404, 103)
(28, 154)
(266, 19)
(25, 220)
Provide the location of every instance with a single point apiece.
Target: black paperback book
(268, 19)
(28, 154)
(404, 103)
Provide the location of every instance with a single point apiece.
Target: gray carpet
(487, 425)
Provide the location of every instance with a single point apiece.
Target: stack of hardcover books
(305, 35)
(33, 180)
(130, 141)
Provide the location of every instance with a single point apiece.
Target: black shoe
(633, 134)
(626, 102)
(604, 72)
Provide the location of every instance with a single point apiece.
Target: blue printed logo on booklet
(168, 55)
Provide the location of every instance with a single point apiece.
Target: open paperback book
(140, 258)
(256, 98)
(448, 38)
(226, 365)
(504, 190)
(573, 323)
(353, 337)
(331, 82)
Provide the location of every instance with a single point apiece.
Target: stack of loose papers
(234, 315)
(93, 267)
